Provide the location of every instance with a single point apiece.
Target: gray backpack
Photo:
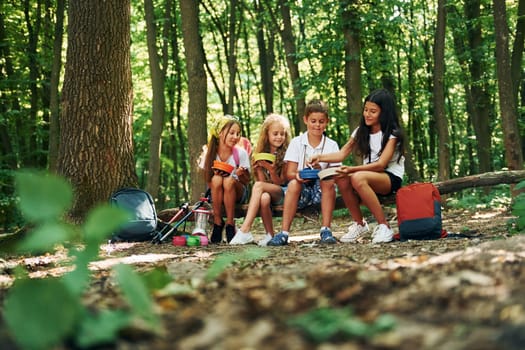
(139, 203)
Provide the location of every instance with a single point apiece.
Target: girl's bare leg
(216, 197)
(367, 184)
(350, 199)
(253, 206)
(291, 200)
(232, 192)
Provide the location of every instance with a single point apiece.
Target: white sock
(325, 228)
(285, 232)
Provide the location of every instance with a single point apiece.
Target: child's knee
(327, 186)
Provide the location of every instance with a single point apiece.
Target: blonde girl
(270, 183)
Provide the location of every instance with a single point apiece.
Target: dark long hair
(389, 124)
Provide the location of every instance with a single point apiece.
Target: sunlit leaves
(42, 196)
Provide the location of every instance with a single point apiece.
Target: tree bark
(266, 58)
(507, 103)
(480, 180)
(439, 93)
(232, 56)
(352, 68)
(96, 145)
(517, 51)
(197, 91)
(290, 51)
(54, 99)
(477, 94)
(158, 108)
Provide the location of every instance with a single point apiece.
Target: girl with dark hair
(379, 141)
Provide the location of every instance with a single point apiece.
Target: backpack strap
(235, 153)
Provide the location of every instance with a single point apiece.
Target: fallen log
(480, 180)
(444, 187)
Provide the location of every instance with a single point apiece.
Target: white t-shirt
(394, 167)
(300, 149)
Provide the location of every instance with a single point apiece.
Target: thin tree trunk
(232, 56)
(517, 51)
(293, 68)
(507, 103)
(54, 119)
(197, 92)
(266, 58)
(159, 102)
(31, 144)
(439, 93)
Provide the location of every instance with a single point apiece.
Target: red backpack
(419, 212)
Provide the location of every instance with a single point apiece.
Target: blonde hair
(263, 145)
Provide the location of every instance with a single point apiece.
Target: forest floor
(462, 292)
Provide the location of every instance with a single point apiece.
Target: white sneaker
(264, 242)
(242, 238)
(354, 232)
(382, 234)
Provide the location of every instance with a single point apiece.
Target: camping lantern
(201, 217)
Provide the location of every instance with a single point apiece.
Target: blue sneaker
(327, 237)
(279, 239)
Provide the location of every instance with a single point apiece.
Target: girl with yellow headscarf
(227, 189)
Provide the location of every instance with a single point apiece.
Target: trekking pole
(184, 207)
(183, 220)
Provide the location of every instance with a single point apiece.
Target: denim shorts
(310, 194)
(283, 192)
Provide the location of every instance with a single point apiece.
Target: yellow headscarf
(220, 123)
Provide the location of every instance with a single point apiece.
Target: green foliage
(223, 261)
(518, 208)
(42, 313)
(10, 216)
(325, 324)
(473, 199)
(43, 197)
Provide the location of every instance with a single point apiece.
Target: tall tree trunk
(96, 144)
(293, 67)
(478, 103)
(159, 102)
(507, 103)
(9, 95)
(197, 92)
(517, 51)
(180, 158)
(232, 56)
(352, 68)
(439, 93)
(54, 120)
(478, 93)
(31, 135)
(266, 58)
(518, 73)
